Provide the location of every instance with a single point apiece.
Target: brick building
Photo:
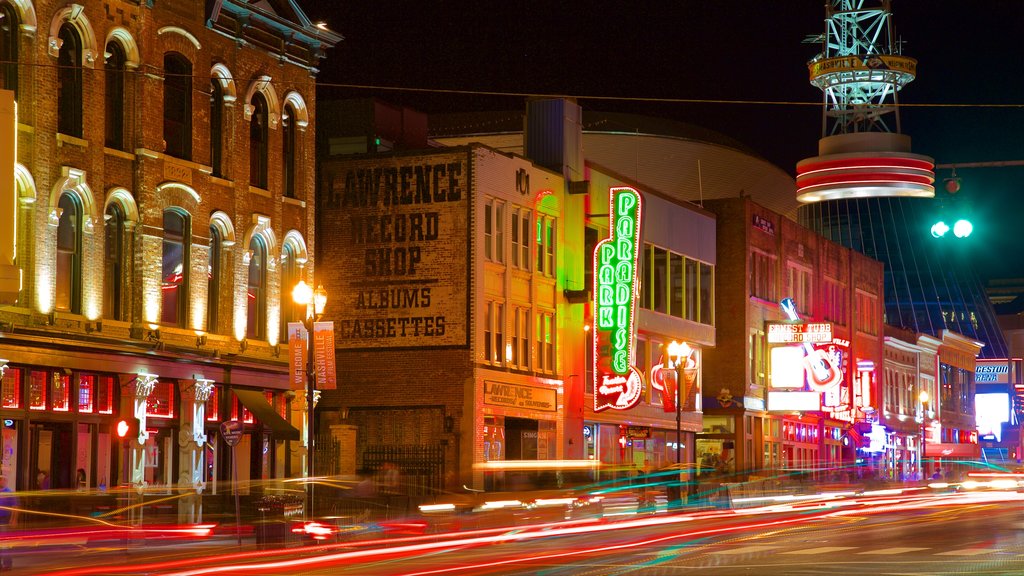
(464, 280)
(163, 203)
(764, 257)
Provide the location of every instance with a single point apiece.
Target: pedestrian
(42, 480)
(937, 475)
(8, 517)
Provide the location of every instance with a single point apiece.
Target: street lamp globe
(302, 294)
(679, 351)
(319, 300)
(923, 396)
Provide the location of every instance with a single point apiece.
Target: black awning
(257, 403)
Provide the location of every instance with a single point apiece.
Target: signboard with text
(518, 396)
(395, 239)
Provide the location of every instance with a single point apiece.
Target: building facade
(162, 209)
(756, 410)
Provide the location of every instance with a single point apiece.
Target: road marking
(745, 549)
(821, 550)
(966, 552)
(892, 551)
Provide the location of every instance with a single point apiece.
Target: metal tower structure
(864, 190)
(860, 71)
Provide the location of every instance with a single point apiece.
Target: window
(692, 290)
(37, 386)
(10, 390)
(494, 231)
(707, 294)
(588, 344)
(8, 48)
(259, 138)
(762, 276)
(160, 402)
(866, 312)
(834, 304)
(105, 394)
(113, 263)
(216, 127)
(520, 338)
(61, 392)
(545, 357)
(494, 333)
(174, 288)
(69, 82)
(290, 274)
(521, 238)
(177, 106)
(546, 245)
(257, 290)
(758, 373)
(798, 285)
(67, 297)
(114, 99)
(213, 280)
(660, 279)
(288, 149)
(213, 405)
(675, 289)
(237, 408)
(86, 393)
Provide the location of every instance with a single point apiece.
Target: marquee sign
(617, 383)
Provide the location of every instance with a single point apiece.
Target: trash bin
(273, 513)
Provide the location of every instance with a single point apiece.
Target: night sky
(623, 56)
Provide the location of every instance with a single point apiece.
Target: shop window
(114, 98)
(105, 394)
(213, 405)
(177, 106)
(216, 127)
(160, 403)
(113, 262)
(67, 297)
(37, 386)
(10, 392)
(675, 288)
(86, 393)
(9, 48)
(259, 139)
(707, 294)
(61, 392)
(174, 289)
(69, 82)
(256, 308)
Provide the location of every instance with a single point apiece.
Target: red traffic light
(127, 428)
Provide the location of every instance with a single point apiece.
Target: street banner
(323, 355)
(297, 346)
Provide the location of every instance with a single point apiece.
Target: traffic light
(962, 228)
(128, 428)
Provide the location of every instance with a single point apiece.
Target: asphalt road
(914, 534)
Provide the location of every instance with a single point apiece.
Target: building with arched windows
(148, 257)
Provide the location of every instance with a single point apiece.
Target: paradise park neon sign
(617, 383)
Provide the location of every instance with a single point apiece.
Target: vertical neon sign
(617, 384)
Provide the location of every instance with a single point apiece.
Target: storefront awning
(257, 403)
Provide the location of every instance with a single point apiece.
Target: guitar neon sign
(617, 383)
(821, 373)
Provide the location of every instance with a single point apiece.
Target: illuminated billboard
(617, 383)
(808, 366)
(990, 412)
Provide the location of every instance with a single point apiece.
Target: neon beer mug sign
(617, 383)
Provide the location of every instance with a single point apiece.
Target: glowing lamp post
(677, 358)
(304, 295)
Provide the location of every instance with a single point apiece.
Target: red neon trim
(866, 177)
(869, 162)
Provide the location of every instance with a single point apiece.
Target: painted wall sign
(517, 396)
(395, 240)
(617, 384)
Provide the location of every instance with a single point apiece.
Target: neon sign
(815, 332)
(617, 383)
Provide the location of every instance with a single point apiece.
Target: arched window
(67, 297)
(259, 135)
(177, 106)
(290, 271)
(217, 127)
(113, 263)
(174, 285)
(115, 96)
(288, 137)
(69, 82)
(8, 48)
(213, 279)
(257, 295)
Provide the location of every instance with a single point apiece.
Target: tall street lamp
(677, 357)
(304, 295)
(923, 397)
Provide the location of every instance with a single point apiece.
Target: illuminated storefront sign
(617, 384)
(799, 333)
(807, 360)
(992, 372)
(397, 229)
